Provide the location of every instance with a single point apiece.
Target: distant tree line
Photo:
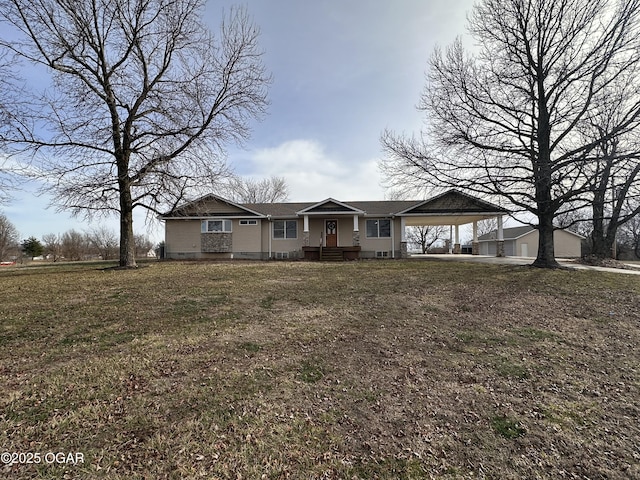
(72, 245)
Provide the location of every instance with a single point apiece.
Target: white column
(306, 223)
(457, 234)
(475, 230)
(450, 239)
(355, 223)
(500, 232)
(403, 226)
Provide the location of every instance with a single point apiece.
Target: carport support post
(456, 245)
(500, 240)
(475, 245)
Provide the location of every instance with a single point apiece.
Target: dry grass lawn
(392, 369)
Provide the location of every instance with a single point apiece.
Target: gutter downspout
(269, 233)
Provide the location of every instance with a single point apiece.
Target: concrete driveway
(570, 263)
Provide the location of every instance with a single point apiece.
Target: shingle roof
(383, 207)
(452, 201)
(517, 232)
(508, 233)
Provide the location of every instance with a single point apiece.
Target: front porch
(331, 254)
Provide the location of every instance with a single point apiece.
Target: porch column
(450, 242)
(305, 233)
(475, 245)
(500, 239)
(356, 231)
(456, 245)
(403, 238)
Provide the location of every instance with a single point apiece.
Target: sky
(343, 71)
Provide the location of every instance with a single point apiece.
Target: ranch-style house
(212, 227)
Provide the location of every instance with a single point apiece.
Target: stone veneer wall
(356, 239)
(215, 242)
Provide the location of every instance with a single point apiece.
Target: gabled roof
(331, 206)
(211, 205)
(515, 233)
(453, 202)
(382, 208)
(508, 233)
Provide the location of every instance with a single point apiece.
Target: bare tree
(144, 100)
(615, 170)
(425, 236)
(52, 245)
(630, 233)
(7, 106)
(487, 226)
(74, 245)
(248, 190)
(104, 241)
(143, 245)
(504, 121)
(8, 238)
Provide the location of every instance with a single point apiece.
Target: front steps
(331, 254)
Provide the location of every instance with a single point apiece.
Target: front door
(331, 232)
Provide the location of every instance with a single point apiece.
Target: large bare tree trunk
(127, 244)
(546, 252)
(542, 166)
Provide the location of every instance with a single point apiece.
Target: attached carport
(453, 208)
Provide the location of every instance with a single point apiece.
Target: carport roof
(451, 208)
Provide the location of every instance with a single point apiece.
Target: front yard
(390, 369)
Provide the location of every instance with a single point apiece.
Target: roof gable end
(453, 201)
(211, 206)
(330, 205)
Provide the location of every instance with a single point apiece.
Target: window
(215, 226)
(248, 222)
(379, 228)
(285, 229)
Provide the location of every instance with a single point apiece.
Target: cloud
(312, 174)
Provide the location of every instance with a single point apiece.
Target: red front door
(331, 232)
